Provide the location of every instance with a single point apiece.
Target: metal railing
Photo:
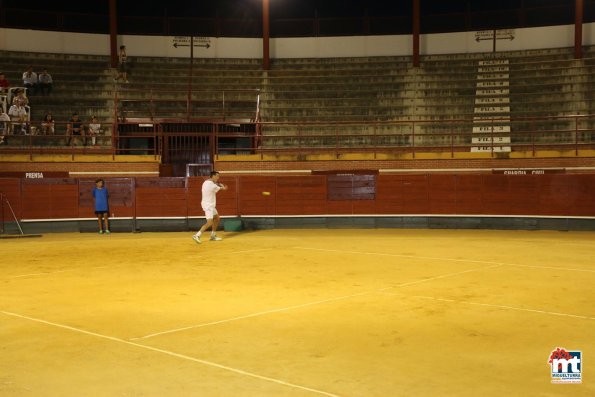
(158, 103)
(56, 138)
(529, 134)
(568, 134)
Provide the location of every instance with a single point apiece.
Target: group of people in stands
(18, 113)
(38, 83)
(17, 120)
(76, 131)
(15, 123)
(33, 82)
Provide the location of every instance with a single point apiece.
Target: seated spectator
(30, 80)
(47, 125)
(4, 127)
(94, 130)
(20, 98)
(75, 128)
(45, 82)
(4, 84)
(18, 116)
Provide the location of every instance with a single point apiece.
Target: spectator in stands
(45, 82)
(18, 116)
(75, 128)
(30, 80)
(47, 125)
(94, 130)
(20, 98)
(4, 127)
(122, 65)
(101, 195)
(4, 84)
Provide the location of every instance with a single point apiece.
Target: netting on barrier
(10, 226)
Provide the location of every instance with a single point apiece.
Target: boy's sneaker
(215, 238)
(107, 232)
(100, 232)
(196, 238)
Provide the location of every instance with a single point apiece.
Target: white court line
(240, 252)
(446, 259)
(282, 309)
(57, 271)
(173, 354)
(550, 268)
(399, 255)
(37, 274)
(438, 277)
(105, 267)
(504, 307)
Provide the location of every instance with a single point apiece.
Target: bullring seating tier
(359, 90)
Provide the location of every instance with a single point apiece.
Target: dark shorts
(102, 213)
(122, 68)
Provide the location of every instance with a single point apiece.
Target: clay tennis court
(295, 313)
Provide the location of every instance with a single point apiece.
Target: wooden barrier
(432, 194)
(49, 198)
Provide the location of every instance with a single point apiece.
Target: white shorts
(210, 212)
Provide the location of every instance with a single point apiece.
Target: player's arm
(222, 186)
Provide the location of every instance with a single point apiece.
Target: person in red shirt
(4, 84)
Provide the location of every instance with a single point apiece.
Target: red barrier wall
(452, 194)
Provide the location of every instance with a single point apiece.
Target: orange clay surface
(296, 313)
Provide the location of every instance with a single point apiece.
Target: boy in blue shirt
(101, 206)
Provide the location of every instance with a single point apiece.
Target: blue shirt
(100, 199)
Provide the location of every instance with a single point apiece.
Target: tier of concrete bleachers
(81, 83)
(157, 88)
(341, 89)
(355, 90)
(543, 83)
(221, 88)
(380, 101)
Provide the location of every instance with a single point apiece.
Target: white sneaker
(196, 238)
(215, 238)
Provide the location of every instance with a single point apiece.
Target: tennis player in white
(210, 187)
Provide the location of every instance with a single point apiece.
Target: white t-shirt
(30, 78)
(17, 113)
(209, 194)
(95, 128)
